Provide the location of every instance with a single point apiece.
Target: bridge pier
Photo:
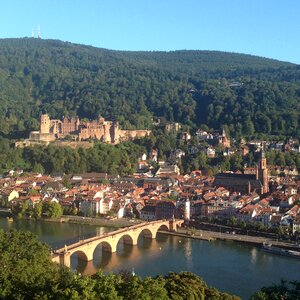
(65, 260)
(173, 225)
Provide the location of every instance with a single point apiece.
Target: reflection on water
(188, 252)
(254, 256)
(236, 268)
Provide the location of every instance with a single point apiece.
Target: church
(246, 183)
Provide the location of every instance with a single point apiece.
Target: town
(255, 199)
(149, 150)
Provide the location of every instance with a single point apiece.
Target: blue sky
(268, 28)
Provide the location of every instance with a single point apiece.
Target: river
(231, 267)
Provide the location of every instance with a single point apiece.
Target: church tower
(224, 140)
(187, 210)
(262, 172)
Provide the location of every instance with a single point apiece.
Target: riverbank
(103, 222)
(116, 223)
(212, 235)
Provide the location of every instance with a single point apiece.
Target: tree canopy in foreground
(27, 272)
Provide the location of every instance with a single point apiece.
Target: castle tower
(77, 124)
(262, 172)
(115, 133)
(44, 124)
(107, 136)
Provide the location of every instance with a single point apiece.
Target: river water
(231, 267)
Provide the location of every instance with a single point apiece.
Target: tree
(186, 285)
(287, 290)
(202, 158)
(154, 288)
(22, 209)
(280, 231)
(38, 168)
(107, 286)
(38, 209)
(52, 209)
(26, 269)
(233, 221)
(3, 202)
(133, 289)
(248, 127)
(66, 182)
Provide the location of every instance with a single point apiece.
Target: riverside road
(213, 235)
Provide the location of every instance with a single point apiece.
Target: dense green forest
(246, 93)
(122, 159)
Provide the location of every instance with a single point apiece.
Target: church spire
(262, 151)
(262, 171)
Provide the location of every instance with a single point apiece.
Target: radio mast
(39, 31)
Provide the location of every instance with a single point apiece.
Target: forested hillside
(248, 94)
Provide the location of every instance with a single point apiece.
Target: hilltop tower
(45, 124)
(262, 172)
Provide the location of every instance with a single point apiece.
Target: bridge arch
(163, 227)
(106, 246)
(101, 251)
(127, 239)
(146, 233)
(81, 255)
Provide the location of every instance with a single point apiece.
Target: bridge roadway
(109, 241)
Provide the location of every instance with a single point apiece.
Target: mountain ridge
(56, 42)
(187, 86)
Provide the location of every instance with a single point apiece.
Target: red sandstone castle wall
(106, 131)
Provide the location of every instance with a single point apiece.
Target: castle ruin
(102, 130)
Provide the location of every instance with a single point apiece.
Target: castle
(102, 130)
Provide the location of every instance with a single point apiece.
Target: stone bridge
(109, 241)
